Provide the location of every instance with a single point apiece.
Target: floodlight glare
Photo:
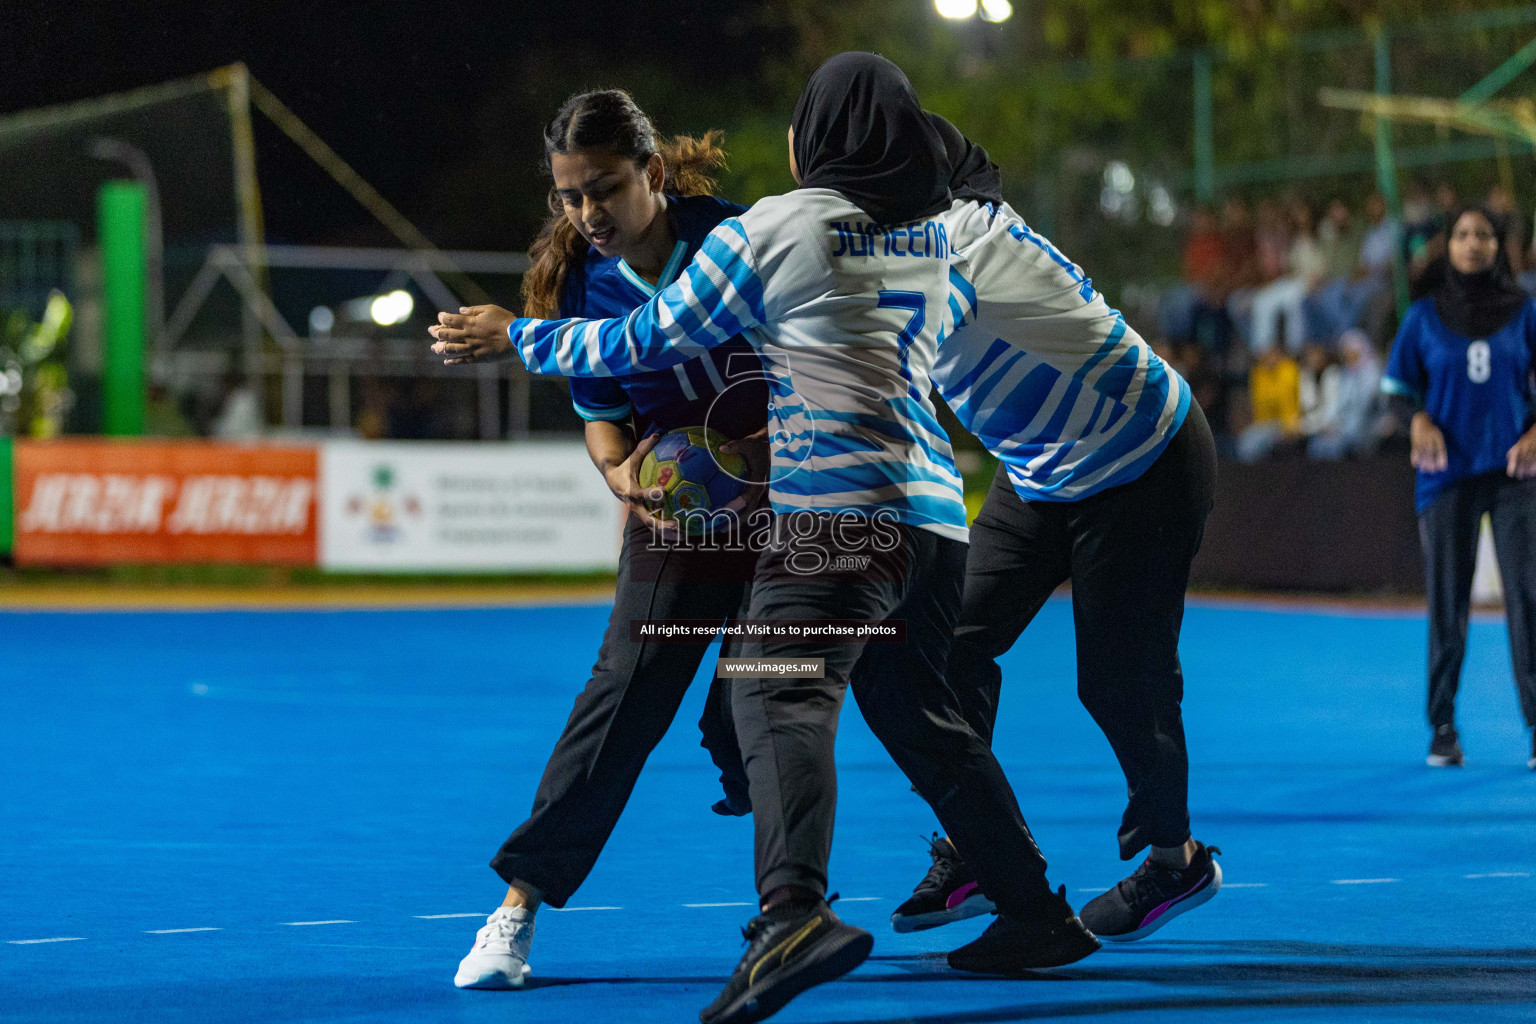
(996, 10)
(955, 10)
(393, 308)
(1119, 177)
(321, 320)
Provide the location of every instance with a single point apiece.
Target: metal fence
(335, 348)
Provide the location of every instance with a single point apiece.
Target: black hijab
(860, 130)
(1473, 305)
(972, 174)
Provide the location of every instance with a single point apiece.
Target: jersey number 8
(1479, 362)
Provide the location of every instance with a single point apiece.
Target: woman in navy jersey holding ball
(1462, 366)
(629, 212)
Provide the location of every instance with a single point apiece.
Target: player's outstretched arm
(475, 334)
(718, 297)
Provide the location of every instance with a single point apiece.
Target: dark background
(439, 106)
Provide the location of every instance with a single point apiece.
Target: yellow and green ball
(692, 473)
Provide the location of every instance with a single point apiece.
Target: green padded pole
(120, 207)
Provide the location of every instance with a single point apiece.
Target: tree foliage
(1068, 85)
(1054, 94)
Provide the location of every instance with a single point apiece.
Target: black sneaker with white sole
(790, 948)
(1152, 896)
(1445, 748)
(1531, 761)
(1050, 935)
(948, 893)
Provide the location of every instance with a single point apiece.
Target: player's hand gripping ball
(693, 475)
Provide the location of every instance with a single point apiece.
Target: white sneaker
(499, 958)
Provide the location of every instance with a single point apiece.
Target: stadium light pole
(106, 148)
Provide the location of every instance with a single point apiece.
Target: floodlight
(996, 10)
(1119, 177)
(956, 10)
(393, 308)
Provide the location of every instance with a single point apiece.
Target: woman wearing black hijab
(858, 130)
(1462, 365)
(840, 286)
(973, 177)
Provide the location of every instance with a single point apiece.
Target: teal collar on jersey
(668, 272)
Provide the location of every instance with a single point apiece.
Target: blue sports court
(230, 816)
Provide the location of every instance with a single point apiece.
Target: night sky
(437, 105)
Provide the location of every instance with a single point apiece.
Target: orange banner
(91, 502)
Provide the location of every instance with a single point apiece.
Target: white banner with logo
(443, 506)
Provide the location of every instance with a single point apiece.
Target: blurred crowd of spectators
(1286, 310)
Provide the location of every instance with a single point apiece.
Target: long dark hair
(607, 119)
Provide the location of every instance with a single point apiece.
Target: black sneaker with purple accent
(1152, 896)
(948, 893)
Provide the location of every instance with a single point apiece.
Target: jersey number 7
(917, 303)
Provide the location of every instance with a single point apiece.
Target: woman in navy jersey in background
(628, 213)
(1462, 365)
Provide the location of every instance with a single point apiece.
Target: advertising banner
(99, 502)
(444, 506)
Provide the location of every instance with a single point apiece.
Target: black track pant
(787, 727)
(1448, 529)
(1127, 551)
(624, 711)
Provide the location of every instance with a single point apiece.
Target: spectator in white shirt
(240, 416)
(1343, 421)
(1305, 267)
(1345, 303)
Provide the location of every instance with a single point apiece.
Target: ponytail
(692, 163)
(607, 119)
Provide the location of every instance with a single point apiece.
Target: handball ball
(692, 472)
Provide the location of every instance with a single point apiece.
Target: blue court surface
(275, 816)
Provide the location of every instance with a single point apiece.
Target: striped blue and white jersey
(1037, 365)
(845, 315)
